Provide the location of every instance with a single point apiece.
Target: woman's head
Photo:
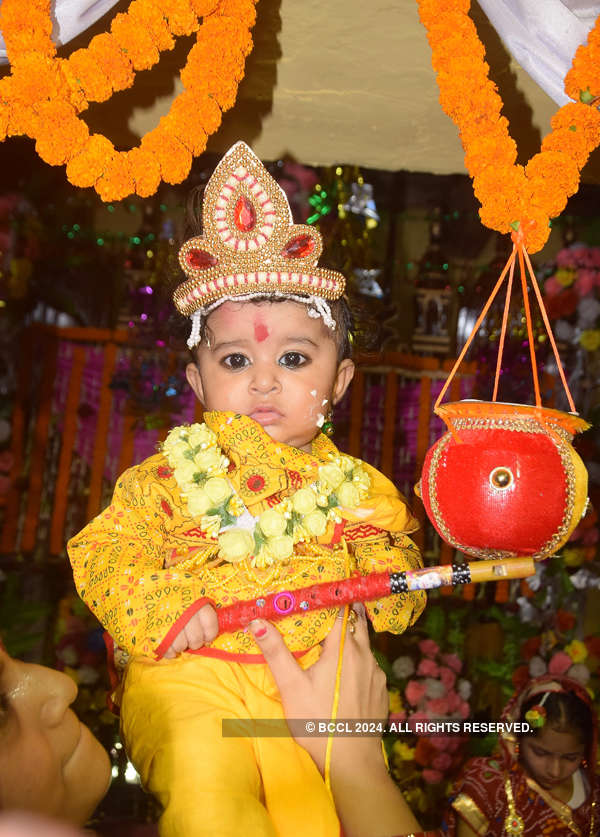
(50, 763)
(556, 747)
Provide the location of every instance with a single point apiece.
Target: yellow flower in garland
(395, 701)
(573, 556)
(200, 470)
(576, 651)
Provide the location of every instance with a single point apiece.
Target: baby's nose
(265, 379)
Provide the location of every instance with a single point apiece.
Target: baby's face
(274, 363)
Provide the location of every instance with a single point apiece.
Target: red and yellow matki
(505, 481)
(250, 244)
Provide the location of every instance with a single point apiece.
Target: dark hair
(565, 712)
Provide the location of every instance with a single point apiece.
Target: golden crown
(250, 245)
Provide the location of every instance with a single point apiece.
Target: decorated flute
(366, 588)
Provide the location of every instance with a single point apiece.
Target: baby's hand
(202, 627)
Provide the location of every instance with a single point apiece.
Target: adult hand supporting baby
(368, 802)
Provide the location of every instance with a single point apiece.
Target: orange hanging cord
(524, 269)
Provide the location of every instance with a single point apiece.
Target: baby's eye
(293, 360)
(235, 361)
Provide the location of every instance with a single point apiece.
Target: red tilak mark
(261, 332)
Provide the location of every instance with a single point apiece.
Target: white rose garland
(200, 470)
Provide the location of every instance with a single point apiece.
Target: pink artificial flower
(442, 762)
(415, 691)
(453, 661)
(432, 777)
(447, 677)
(463, 709)
(446, 743)
(594, 260)
(429, 647)
(560, 663)
(552, 286)
(437, 707)
(584, 284)
(454, 700)
(565, 258)
(427, 668)
(397, 716)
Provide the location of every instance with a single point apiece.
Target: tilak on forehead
(261, 332)
(251, 248)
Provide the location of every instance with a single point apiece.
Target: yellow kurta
(143, 566)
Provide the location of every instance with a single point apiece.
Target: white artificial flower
(579, 672)
(434, 688)
(403, 667)
(537, 666)
(464, 688)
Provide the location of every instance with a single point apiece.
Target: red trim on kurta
(179, 624)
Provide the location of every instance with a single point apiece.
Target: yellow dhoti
(207, 784)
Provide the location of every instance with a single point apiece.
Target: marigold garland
(43, 95)
(512, 196)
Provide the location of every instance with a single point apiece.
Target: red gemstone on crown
(296, 248)
(200, 259)
(244, 215)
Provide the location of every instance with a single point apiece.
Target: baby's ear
(345, 373)
(194, 379)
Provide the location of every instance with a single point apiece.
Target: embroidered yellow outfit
(144, 566)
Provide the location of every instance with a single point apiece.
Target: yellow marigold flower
(565, 276)
(137, 42)
(235, 545)
(272, 522)
(590, 339)
(117, 181)
(576, 651)
(174, 159)
(402, 751)
(573, 556)
(396, 704)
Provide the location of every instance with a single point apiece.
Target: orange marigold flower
(116, 182)
(174, 158)
(93, 81)
(145, 171)
(568, 142)
(60, 133)
(4, 114)
(242, 10)
(555, 166)
(26, 27)
(583, 117)
(151, 18)
(181, 17)
(35, 78)
(204, 8)
(86, 167)
(137, 43)
(113, 62)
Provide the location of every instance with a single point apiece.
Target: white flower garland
(200, 470)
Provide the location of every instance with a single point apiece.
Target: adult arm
(368, 802)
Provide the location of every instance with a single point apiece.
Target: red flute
(366, 588)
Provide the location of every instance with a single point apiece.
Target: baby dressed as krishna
(255, 500)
